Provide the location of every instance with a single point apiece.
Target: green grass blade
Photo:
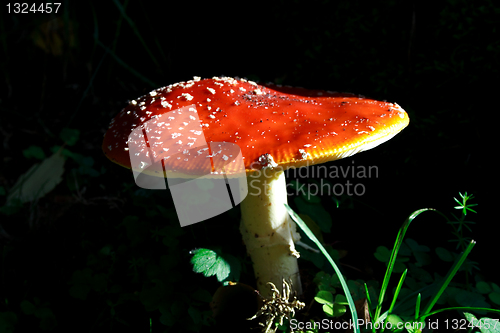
(369, 301)
(381, 318)
(458, 308)
(310, 234)
(417, 306)
(398, 289)
(392, 260)
(449, 276)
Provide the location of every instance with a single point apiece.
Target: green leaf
(468, 298)
(420, 274)
(99, 282)
(419, 251)
(43, 312)
(321, 277)
(394, 321)
(167, 319)
(8, 321)
(234, 267)
(339, 305)
(311, 197)
(334, 253)
(414, 246)
(335, 281)
(27, 307)
(495, 297)
(404, 251)
(313, 226)
(69, 136)
(316, 258)
(178, 307)
(34, 152)
(106, 250)
(399, 267)
(470, 317)
(317, 213)
(221, 269)
(324, 297)
(328, 309)
(338, 309)
(81, 281)
(209, 263)
(39, 180)
(414, 326)
(483, 287)
(152, 297)
(195, 314)
(382, 254)
(485, 325)
(322, 280)
(79, 291)
(444, 254)
(340, 299)
(488, 325)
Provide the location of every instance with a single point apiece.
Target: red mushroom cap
(294, 126)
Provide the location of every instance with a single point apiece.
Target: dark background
(76, 69)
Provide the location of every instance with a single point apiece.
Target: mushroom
(276, 128)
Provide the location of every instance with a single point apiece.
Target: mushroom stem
(268, 231)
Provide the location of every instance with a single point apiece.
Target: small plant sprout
(463, 205)
(460, 223)
(278, 305)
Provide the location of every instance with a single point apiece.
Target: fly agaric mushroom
(276, 129)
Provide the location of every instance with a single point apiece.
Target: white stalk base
(268, 231)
